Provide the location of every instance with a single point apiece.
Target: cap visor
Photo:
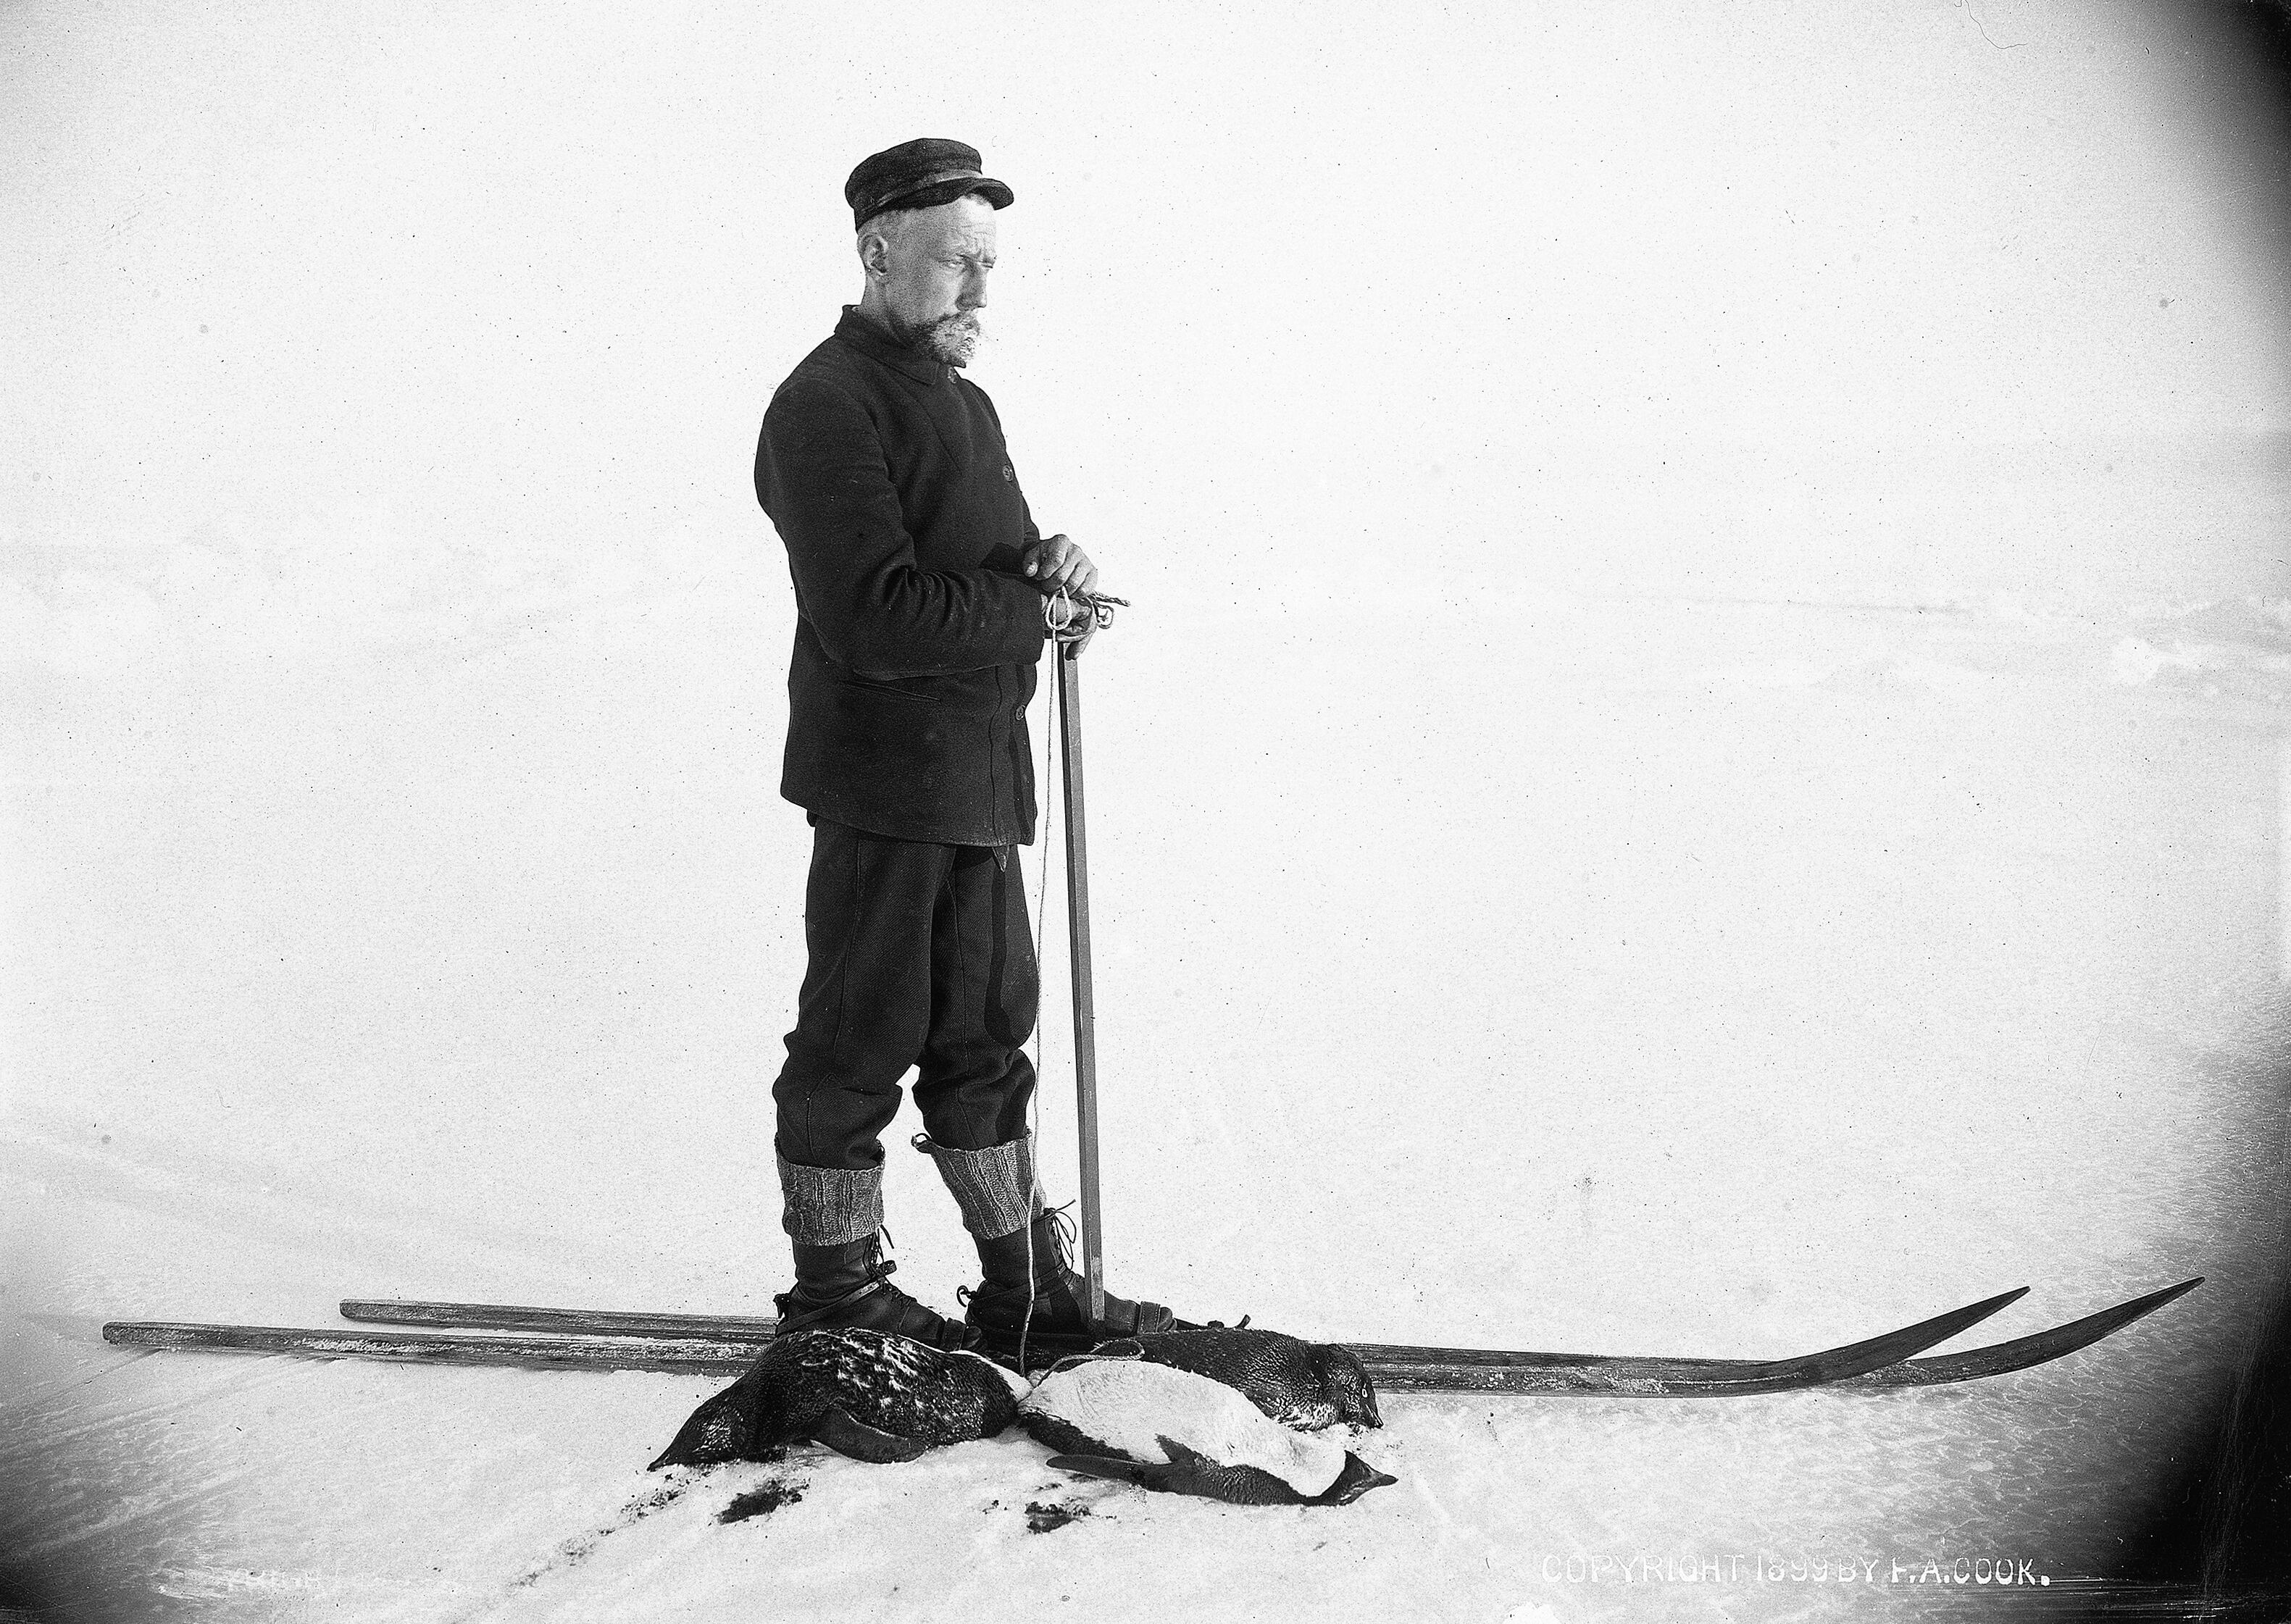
(947, 191)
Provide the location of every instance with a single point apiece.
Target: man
(924, 595)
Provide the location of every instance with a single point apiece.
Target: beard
(952, 339)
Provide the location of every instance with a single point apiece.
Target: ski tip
(2026, 1352)
(390, 1311)
(1856, 1359)
(2156, 1299)
(1966, 1317)
(1972, 1314)
(1943, 1326)
(2083, 1332)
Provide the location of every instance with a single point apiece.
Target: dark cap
(919, 174)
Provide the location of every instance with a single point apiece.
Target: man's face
(934, 277)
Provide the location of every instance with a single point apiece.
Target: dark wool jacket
(915, 639)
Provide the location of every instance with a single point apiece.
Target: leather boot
(845, 1286)
(1045, 1309)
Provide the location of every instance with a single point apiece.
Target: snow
(1633, 812)
(1788, 1014)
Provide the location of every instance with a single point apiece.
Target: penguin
(1300, 1384)
(864, 1393)
(1176, 1432)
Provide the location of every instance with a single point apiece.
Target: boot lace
(1061, 1231)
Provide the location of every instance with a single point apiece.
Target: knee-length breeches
(920, 955)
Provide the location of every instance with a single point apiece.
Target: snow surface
(1634, 811)
(1717, 1016)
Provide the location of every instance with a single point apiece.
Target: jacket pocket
(902, 690)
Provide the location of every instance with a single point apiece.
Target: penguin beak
(1357, 1478)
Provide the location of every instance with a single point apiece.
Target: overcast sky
(1301, 290)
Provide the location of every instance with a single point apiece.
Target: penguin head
(1347, 1384)
(1357, 1478)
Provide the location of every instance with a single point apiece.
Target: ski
(694, 1356)
(2002, 1358)
(1394, 1369)
(1412, 1370)
(1998, 1359)
(1588, 1372)
(1562, 1376)
(563, 1322)
(1417, 1370)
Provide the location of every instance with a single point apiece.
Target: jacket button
(1018, 715)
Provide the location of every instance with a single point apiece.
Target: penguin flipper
(846, 1436)
(1054, 1432)
(1187, 1472)
(1112, 1469)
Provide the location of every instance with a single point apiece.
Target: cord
(1071, 617)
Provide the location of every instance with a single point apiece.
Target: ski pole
(1085, 1018)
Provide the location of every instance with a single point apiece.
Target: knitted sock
(830, 1206)
(994, 1187)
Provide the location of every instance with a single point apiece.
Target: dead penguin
(861, 1393)
(1307, 1385)
(1171, 1430)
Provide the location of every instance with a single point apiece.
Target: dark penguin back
(1300, 1384)
(815, 1383)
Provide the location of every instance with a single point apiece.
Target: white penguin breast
(1129, 1406)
